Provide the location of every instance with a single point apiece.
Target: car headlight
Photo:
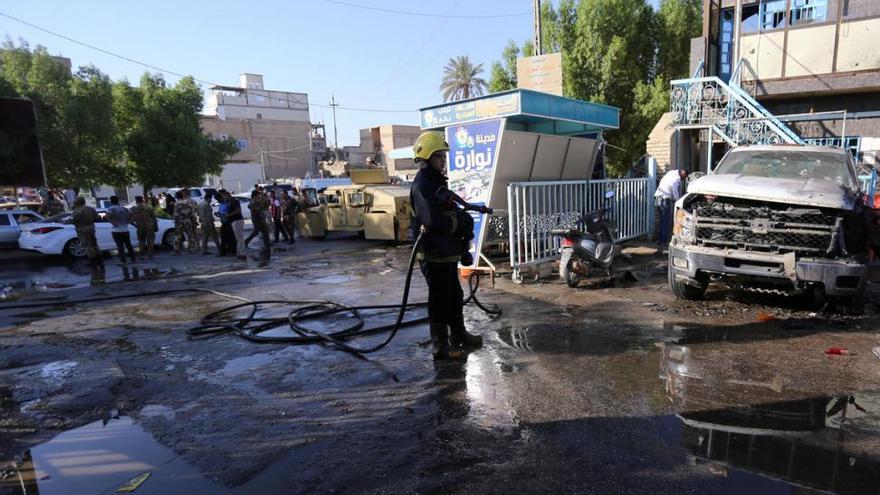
(684, 225)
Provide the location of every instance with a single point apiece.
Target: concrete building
(380, 141)
(764, 71)
(269, 126)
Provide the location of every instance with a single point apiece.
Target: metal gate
(535, 208)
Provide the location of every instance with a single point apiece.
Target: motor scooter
(587, 246)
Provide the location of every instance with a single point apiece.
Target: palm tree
(460, 80)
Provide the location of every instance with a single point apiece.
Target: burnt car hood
(809, 192)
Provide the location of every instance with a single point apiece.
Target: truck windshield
(789, 164)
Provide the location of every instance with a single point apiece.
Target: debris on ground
(837, 351)
(133, 483)
(764, 317)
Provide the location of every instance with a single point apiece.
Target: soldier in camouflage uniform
(193, 219)
(184, 224)
(145, 221)
(259, 206)
(206, 220)
(84, 218)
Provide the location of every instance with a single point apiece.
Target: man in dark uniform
(440, 248)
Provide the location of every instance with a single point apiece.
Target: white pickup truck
(777, 219)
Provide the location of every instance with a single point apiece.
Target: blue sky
(368, 59)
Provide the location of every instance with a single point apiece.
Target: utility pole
(333, 105)
(538, 48)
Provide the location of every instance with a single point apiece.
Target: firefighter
(440, 248)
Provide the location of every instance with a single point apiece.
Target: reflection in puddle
(99, 458)
(333, 279)
(486, 392)
(735, 421)
(247, 363)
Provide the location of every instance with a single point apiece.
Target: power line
(425, 14)
(174, 73)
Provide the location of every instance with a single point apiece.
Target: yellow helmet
(428, 143)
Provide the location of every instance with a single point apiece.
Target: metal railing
(708, 102)
(535, 208)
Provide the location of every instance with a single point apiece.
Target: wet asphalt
(616, 388)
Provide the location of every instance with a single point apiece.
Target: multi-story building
(270, 127)
(381, 141)
(765, 71)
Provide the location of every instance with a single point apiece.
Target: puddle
(333, 279)
(99, 458)
(247, 363)
(815, 443)
(735, 418)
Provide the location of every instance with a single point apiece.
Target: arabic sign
(473, 152)
(471, 111)
(540, 73)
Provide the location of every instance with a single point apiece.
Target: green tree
(460, 80)
(679, 21)
(164, 144)
(503, 75)
(74, 116)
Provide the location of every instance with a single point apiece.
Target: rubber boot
(440, 348)
(459, 337)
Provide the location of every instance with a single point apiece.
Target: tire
(168, 239)
(682, 290)
(74, 249)
(568, 272)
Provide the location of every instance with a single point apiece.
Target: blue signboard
(471, 110)
(473, 154)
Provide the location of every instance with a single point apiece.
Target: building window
(772, 14)
(807, 11)
(259, 116)
(242, 144)
(750, 19)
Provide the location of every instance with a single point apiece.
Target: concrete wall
(808, 51)
(763, 53)
(859, 45)
(259, 104)
(268, 135)
(660, 143)
(382, 139)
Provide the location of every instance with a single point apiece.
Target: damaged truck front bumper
(839, 277)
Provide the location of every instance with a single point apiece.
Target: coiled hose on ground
(252, 326)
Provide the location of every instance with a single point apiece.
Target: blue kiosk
(516, 136)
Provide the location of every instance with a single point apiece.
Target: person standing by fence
(668, 192)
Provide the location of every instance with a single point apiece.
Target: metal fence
(535, 208)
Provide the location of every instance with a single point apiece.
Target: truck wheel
(683, 290)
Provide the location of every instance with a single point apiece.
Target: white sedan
(56, 235)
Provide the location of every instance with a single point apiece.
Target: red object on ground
(837, 351)
(765, 317)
